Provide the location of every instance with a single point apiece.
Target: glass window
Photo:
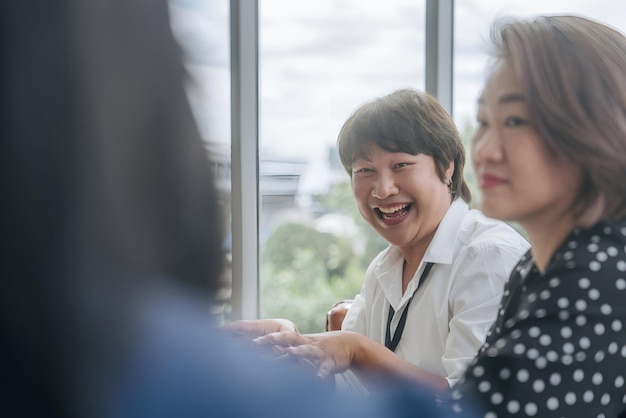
(318, 60)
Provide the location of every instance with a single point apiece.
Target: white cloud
(322, 58)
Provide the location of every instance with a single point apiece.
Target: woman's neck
(545, 238)
(413, 257)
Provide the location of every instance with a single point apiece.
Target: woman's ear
(450, 171)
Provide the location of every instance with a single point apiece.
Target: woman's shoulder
(602, 233)
(480, 232)
(599, 250)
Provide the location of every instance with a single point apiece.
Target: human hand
(259, 327)
(329, 352)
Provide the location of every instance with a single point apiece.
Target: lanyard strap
(392, 344)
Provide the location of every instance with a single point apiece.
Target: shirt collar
(440, 249)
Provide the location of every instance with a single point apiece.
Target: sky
(320, 59)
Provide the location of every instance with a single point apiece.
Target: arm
(474, 299)
(338, 351)
(472, 303)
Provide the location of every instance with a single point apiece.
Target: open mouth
(393, 212)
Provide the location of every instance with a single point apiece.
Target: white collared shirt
(450, 314)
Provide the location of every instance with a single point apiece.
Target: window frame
(244, 46)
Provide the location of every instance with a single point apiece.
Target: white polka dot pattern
(557, 347)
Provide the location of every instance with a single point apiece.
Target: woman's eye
(514, 121)
(400, 165)
(361, 170)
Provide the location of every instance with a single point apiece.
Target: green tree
(340, 199)
(305, 272)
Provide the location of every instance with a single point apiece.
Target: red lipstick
(489, 181)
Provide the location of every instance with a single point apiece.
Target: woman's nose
(486, 146)
(384, 186)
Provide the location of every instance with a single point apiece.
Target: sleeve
(355, 320)
(355, 317)
(474, 299)
(561, 350)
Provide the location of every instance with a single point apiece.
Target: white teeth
(393, 209)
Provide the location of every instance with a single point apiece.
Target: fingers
(314, 356)
(285, 341)
(307, 351)
(258, 327)
(252, 328)
(303, 348)
(326, 368)
(286, 325)
(280, 341)
(283, 338)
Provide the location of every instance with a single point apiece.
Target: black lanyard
(392, 344)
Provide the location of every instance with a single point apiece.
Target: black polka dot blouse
(558, 346)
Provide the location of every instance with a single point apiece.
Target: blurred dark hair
(105, 185)
(573, 73)
(407, 121)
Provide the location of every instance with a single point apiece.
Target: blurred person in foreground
(550, 153)
(111, 234)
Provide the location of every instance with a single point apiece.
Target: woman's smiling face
(519, 179)
(400, 195)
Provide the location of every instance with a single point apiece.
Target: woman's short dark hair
(409, 121)
(573, 73)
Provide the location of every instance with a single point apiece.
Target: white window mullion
(245, 158)
(439, 49)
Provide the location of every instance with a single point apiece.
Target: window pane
(318, 60)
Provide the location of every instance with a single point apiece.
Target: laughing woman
(550, 153)
(429, 299)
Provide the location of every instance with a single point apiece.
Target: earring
(450, 186)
